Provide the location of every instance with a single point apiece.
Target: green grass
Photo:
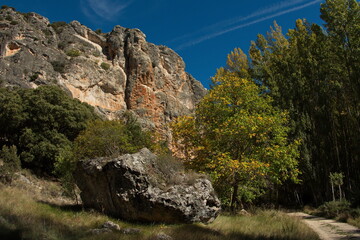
(21, 217)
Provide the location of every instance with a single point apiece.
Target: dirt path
(328, 229)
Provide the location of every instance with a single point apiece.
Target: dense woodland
(277, 126)
(312, 75)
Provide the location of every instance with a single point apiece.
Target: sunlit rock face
(114, 71)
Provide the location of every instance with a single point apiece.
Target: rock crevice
(114, 71)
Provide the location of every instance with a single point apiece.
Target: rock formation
(135, 187)
(114, 72)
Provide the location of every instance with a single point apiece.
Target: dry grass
(24, 217)
(336, 211)
(262, 225)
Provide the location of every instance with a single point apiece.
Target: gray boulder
(139, 187)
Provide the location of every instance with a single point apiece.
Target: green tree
(313, 73)
(41, 123)
(338, 180)
(111, 138)
(9, 163)
(238, 138)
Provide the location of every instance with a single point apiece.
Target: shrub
(34, 77)
(47, 32)
(14, 22)
(7, 7)
(41, 123)
(58, 26)
(26, 16)
(9, 163)
(64, 167)
(98, 31)
(96, 54)
(105, 66)
(334, 208)
(9, 18)
(111, 138)
(58, 66)
(73, 53)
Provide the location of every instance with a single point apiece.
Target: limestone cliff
(113, 71)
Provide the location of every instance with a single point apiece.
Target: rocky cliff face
(114, 72)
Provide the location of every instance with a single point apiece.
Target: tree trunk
(234, 197)
(340, 193)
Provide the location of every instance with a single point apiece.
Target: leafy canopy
(111, 138)
(238, 137)
(41, 123)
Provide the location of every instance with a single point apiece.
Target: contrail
(218, 33)
(232, 21)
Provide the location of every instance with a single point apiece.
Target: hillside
(114, 71)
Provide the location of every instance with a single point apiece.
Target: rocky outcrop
(136, 187)
(114, 72)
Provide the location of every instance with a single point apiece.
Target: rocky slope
(114, 72)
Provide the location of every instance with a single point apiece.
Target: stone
(111, 225)
(162, 236)
(134, 187)
(97, 231)
(130, 231)
(243, 212)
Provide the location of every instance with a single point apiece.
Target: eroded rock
(132, 187)
(114, 71)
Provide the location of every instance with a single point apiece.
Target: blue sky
(201, 32)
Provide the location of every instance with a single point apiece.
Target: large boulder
(142, 187)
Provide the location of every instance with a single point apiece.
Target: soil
(329, 229)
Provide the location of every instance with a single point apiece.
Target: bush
(105, 66)
(9, 163)
(73, 53)
(62, 45)
(34, 77)
(41, 123)
(334, 208)
(26, 16)
(47, 32)
(64, 167)
(111, 138)
(58, 66)
(96, 54)
(58, 26)
(14, 22)
(7, 7)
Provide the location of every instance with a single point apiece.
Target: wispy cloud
(241, 22)
(104, 9)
